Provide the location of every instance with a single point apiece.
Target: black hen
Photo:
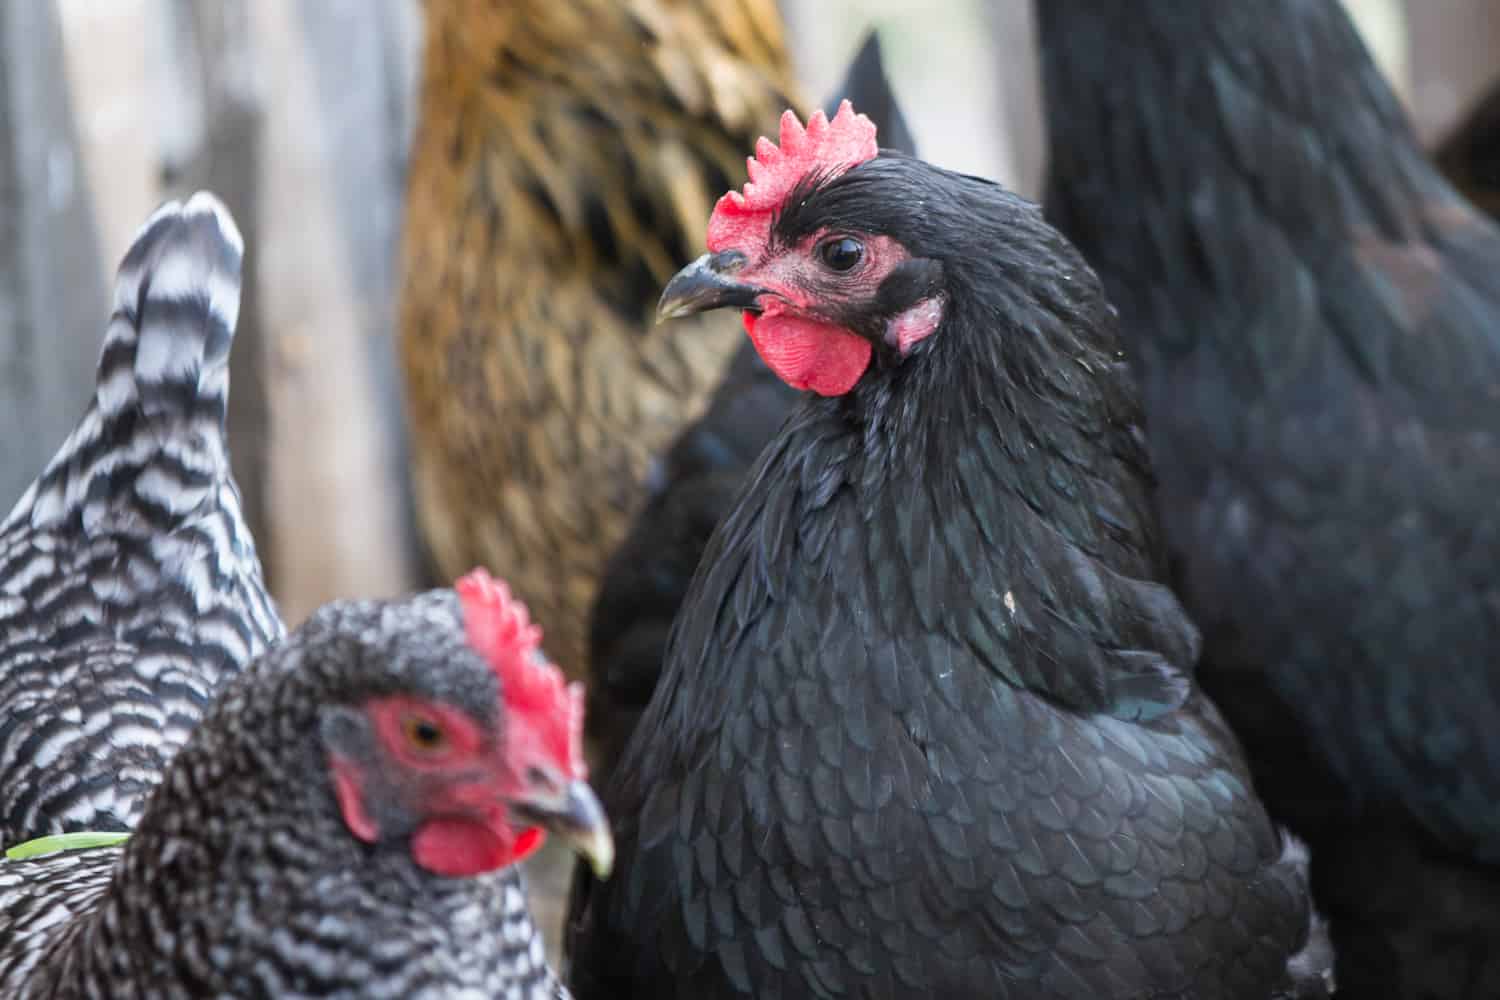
(692, 487)
(1315, 317)
(926, 726)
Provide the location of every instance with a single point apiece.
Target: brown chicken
(567, 156)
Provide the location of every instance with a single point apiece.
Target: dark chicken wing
(1314, 314)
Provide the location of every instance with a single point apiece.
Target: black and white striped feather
(242, 879)
(43, 902)
(129, 583)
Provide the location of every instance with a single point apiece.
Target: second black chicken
(1315, 318)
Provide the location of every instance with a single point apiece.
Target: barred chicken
(129, 583)
(343, 823)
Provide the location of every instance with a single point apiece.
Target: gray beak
(705, 284)
(577, 819)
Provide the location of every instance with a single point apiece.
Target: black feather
(1314, 316)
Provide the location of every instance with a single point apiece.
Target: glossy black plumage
(692, 486)
(926, 726)
(1315, 317)
(645, 580)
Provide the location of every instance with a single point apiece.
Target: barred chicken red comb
(500, 628)
(824, 147)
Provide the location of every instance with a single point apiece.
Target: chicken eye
(423, 734)
(842, 253)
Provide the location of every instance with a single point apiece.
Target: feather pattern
(129, 583)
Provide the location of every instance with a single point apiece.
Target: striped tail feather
(163, 377)
(177, 297)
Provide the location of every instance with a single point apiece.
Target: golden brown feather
(567, 155)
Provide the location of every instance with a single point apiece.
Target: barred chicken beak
(578, 820)
(707, 284)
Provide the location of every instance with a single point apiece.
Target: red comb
(824, 146)
(500, 628)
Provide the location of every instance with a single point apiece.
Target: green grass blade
(63, 842)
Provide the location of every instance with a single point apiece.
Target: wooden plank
(52, 293)
(298, 116)
(213, 141)
(1019, 93)
(340, 531)
(119, 113)
(364, 58)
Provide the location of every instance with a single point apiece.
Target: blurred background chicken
(564, 163)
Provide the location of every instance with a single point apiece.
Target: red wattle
(458, 847)
(806, 354)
